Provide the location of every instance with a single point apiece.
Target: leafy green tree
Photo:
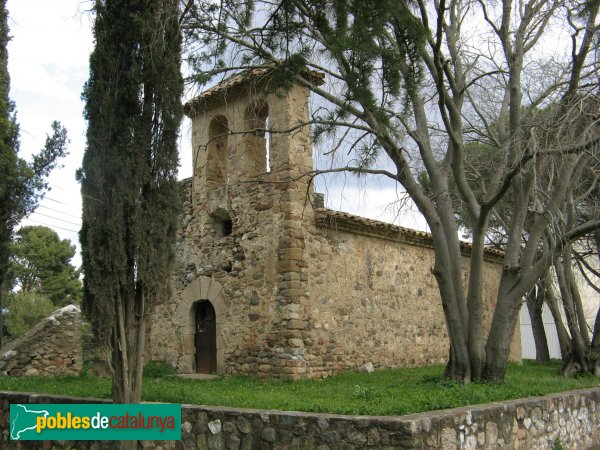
(21, 183)
(25, 309)
(128, 176)
(41, 262)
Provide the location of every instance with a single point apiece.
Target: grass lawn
(386, 392)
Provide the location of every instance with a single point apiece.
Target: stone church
(269, 282)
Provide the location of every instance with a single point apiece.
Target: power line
(62, 203)
(56, 218)
(50, 226)
(60, 188)
(60, 212)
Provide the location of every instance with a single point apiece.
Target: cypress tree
(128, 176)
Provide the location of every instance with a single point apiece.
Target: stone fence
(566, 420)
(51, 347)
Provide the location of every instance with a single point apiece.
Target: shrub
(159, 369)
(25, 309)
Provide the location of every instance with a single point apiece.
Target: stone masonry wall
(51, 347)
(571, 419)
(374, 301)
(371, 301)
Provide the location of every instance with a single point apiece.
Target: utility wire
(56, 218)
(62, 203)
(60, 212)
(50, 226)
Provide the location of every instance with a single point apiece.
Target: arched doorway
(199, 290)
(205, 338)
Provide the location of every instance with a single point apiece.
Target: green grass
(386, 392)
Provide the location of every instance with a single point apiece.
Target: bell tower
(251, 155)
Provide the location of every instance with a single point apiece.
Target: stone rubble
(52, 347)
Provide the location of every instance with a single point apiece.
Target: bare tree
(573, 269)
(563, 123)
(411, 84)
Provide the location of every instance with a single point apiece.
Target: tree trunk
(535, 303)
(1, 313)
(596, 344)
(127, 359)
(578, 347)
(475, 301)
(3, 271)
(596, 331)
(596, 334)
(458, 367)
(509, 297)
(571, 284)
(504, 320)
(121, 386)
(576, 296)
(448, 272)
(454, 307)
(140, 340)
(500, 338)
(564, 340)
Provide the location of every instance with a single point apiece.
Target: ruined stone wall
(565, 420)
(51, 347)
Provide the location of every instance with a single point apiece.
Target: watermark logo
(30, 422)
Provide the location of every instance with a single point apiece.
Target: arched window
(256, 139)
(217, 154)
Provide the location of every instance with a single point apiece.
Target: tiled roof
(341, 221)
(237, 84)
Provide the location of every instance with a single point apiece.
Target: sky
(48, 64)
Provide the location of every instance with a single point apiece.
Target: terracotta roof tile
(327, 218)
(235, 85)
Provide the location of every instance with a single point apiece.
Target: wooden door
(206, 338)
